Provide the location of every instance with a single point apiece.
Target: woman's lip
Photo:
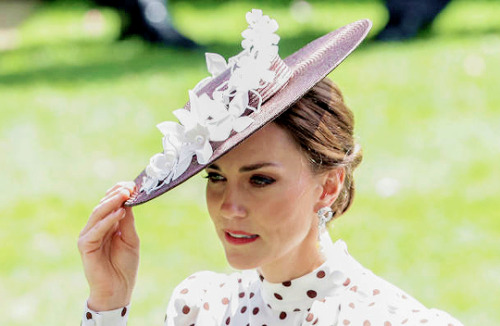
(238, 232)
(239, 241)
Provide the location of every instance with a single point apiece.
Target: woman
(269, 198)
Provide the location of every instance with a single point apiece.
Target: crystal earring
(325, 214)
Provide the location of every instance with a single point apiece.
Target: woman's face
(262, 198)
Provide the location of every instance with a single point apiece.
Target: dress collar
(300, 293)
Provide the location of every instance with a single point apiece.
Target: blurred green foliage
(78, 110)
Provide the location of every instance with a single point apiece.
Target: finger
(109, 205)
(122, 184)
(95, 236)
(130, 187)
(127, 228)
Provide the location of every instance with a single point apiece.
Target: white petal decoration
(204, 154)
(242, 123)
(216, 64)
(185, 117)
(214, 118)
(221, 130)
(169, 127)
(239, 104)
(181, 167)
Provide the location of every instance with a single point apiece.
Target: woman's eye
(261, 181)
(214, 177)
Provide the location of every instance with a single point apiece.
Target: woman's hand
(109, 247)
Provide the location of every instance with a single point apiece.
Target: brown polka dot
(354, 288)
(88, 315)
(309, 317)
(376, 291)
(287, 283)
(222, 284)
(387, 323)
(243, 309)
(225, 300)
(239, 280)
(316, 321)
(296, 309)
(184, 291)
(352, 305)
(346, 322)
(124, 311)
(423, 321)
(269, 306)
(228, 320)
(186, 310)
(255, 310)
(346, 282)
(241, 295)
(261, 277)
(206, 306)
(320, 274)
(278, 296)
(251, 295)
(311, 294)
(366, 323)
(282, 315)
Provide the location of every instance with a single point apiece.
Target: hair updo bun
(322, 125)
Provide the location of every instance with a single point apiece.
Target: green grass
(77, 114)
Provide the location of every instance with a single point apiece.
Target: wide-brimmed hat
(241, 96)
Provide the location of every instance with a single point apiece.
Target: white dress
(339, 292)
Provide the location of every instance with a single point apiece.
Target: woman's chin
(241, 261)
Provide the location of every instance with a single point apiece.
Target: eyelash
(256, 180)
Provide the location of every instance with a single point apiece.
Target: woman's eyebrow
(257, 166)
(247, 168)
(213, 167)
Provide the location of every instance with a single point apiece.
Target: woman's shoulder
(368, 299)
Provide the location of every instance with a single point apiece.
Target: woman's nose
(232, 205)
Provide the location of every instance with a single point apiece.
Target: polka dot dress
(339, 292)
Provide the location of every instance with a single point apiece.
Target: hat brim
(309, 65)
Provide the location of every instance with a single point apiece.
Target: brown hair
(322, 125)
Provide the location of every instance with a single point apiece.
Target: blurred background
(82, 86)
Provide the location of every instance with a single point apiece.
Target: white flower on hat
(259, 36)
(213, 119)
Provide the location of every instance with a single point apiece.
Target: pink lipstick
(239, 237)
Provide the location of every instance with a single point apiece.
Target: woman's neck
(300, 261)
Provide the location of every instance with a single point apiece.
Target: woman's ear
(332, 183)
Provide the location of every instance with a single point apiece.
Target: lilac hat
(243, 94)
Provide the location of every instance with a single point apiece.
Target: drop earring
(325, 214)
